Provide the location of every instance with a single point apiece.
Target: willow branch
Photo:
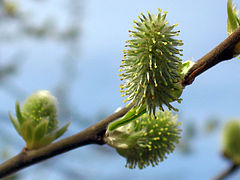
(224, 51)
(227, 172)
(94, 134)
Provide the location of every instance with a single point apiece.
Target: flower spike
(145, 140)
(151, 66)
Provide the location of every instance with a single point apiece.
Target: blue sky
(202, 25)
(104, 27)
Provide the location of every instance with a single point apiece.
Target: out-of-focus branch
(227, 172)
(94, 134)
(224, 51)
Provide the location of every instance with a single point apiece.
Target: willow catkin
(151, 67)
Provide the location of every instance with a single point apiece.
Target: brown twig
(227, 172)
(94, 134)
(224, 51)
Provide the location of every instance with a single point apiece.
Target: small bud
(37, 122)
(186, 66)
(10, 8)
(145, 140)
(230, 141)
(233, 22)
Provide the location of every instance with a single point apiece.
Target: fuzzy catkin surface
(151, 67)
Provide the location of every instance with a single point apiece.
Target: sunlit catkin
(146, 140)
(151, 67)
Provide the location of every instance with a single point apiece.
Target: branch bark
(224, 51)
(94, 134)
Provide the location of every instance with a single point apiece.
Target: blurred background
(74, 47)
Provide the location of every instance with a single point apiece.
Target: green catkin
(37, 122)
(151, 67)
(230, 140)
(39, 106)
(146, 140)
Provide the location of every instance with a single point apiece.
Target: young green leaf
(15, 123)
(18, 113)
(233, 21)
(132, 114)
(40, 130)
(62, 130)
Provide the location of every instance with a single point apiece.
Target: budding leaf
(233, 21)
(132, 114)
(40, 130)
(62, 130)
